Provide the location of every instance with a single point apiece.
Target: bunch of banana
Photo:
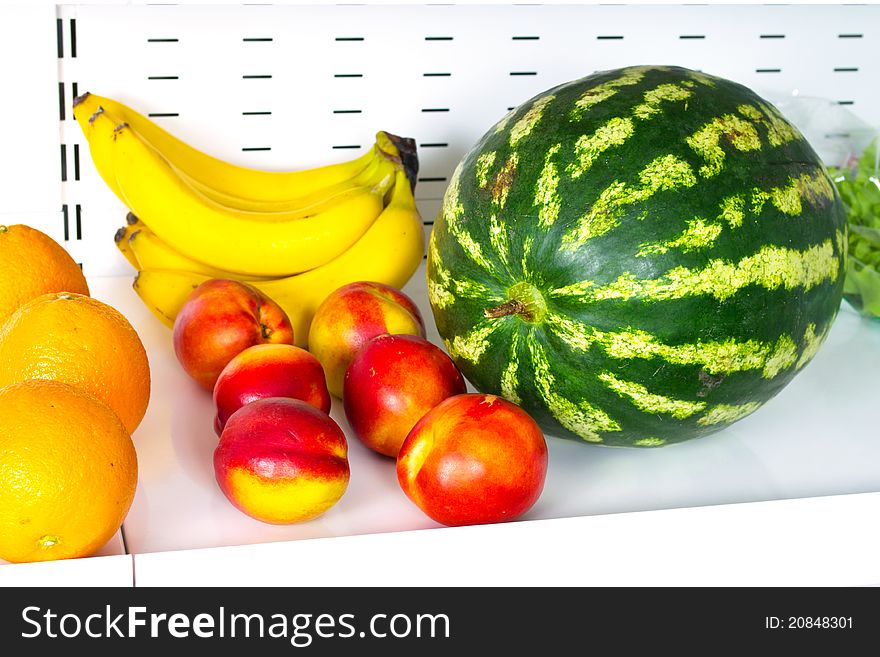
(296, 235)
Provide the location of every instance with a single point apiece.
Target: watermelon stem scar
(524, 300)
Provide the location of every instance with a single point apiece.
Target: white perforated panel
(290, 86)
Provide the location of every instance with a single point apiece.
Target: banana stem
(408, 156)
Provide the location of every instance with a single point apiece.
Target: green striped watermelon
(639, 257)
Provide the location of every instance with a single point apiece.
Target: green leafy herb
(859, 189)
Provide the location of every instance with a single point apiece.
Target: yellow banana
(309, 202)
(122, 236)
(305, 199)
(99, 146)
(151, 252)
(261, 244)
(230, 180)
(164, 291)
(389, 252)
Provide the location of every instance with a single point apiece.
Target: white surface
(29, 166)
(829, 541)
(115, 570)
(818, 437)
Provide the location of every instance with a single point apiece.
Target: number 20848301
(808, 622)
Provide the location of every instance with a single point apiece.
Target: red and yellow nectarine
(473, 459)
(220, 319)
(269, 370)
(352, 316)
(282, 461)
(391, 383)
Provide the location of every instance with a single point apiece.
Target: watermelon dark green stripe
(638, 258)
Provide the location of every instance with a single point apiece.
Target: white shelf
(817, 439)
(110, 566)
(823, 541)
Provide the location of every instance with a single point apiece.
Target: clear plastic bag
(859, 187)
(849, 148)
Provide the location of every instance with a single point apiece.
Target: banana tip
(120, 235)
(97, 113)
(79, 99)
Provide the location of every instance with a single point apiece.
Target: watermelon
(639, 257)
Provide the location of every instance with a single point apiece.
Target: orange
(31, 264)
(81, 341)
(68, 472)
